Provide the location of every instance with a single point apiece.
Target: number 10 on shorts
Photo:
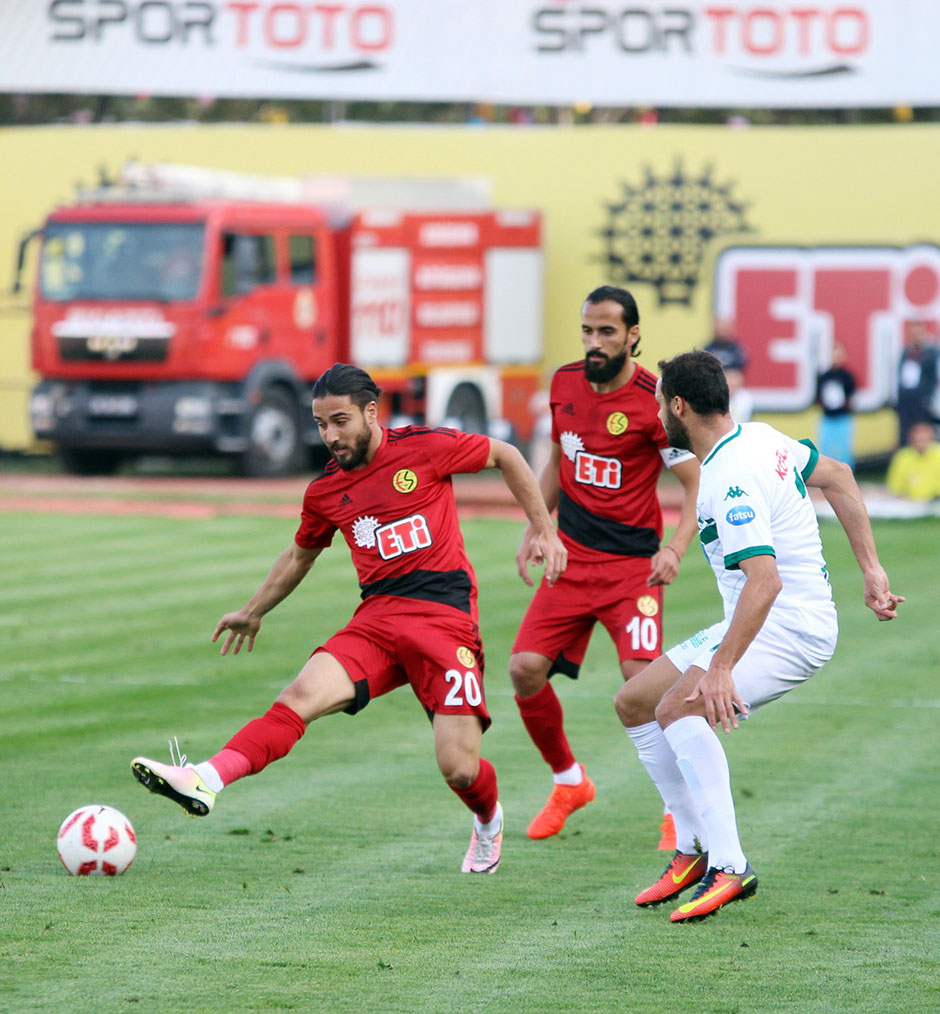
(644, 634)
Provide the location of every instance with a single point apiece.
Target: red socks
(270, 737)
(482, 795)
(260, 742)
(230, 765)
(542, 716)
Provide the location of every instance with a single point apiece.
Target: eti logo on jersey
(593, 470)
(407, 535)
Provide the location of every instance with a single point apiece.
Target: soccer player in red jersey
(608, 449)
(389, 492)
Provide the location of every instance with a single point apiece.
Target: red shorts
(392, 641)
(561, 617)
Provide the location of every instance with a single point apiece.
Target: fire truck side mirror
(21, 259)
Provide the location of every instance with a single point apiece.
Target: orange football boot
(563, 801)
(717, 888)
(683, 871)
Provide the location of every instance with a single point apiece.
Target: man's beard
(676, 432)
(358, 451)
(603, 372)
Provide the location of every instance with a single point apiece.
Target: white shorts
(776, 661)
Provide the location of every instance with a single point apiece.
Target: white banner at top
(763, 53)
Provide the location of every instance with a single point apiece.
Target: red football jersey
(399, 517)
(611, 458)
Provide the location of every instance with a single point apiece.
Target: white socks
(660, 762)
(490, 829)
(704, 766)
(209, 775)
(573, 776)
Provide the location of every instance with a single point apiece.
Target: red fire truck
(183, 311)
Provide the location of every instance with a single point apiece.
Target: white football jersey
(753, 501)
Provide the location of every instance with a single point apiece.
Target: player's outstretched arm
(544, 546)
(289, 570)
(839, 487)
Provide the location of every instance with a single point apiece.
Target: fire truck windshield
(121, 260)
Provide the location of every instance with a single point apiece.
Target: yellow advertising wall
(797, 186)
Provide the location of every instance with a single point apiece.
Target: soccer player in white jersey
(760, 535)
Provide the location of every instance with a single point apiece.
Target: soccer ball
(96, 840)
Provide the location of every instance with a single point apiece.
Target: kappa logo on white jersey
(405, 536)
(593, 470)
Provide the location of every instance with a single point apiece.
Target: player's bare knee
(670, 709)
(631, 709)
(310, 707)
(297, 702)
(462, 774)
(528, 676)
(322, 687)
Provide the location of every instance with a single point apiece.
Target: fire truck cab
(179, 313)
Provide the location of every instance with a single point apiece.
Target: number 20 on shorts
(465, 686)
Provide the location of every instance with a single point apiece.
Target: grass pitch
(330, 882)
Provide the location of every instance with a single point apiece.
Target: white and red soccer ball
(96, 840)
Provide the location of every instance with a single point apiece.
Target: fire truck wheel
(89, 460)
(465, 407)
(274, 440)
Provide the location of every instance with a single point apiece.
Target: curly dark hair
(698, 378)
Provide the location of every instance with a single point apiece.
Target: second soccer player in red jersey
(608, 449)
(389, 492)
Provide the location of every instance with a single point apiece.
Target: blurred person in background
(917, 378)
(742, 401)
(914, 472)
(835, 389)
(725, 347)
